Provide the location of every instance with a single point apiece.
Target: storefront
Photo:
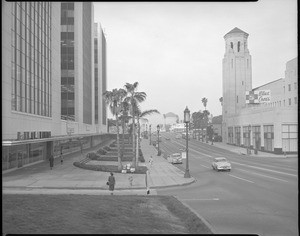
(16, 154)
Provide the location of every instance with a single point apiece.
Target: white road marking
(263, 175)
(206, 166)
(256, 167)
(203, 199)
(241, 178)
(195, 150)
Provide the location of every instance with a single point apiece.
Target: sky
(174, 50)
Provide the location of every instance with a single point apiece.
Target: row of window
(96, 79)
(278, 103)
(67, 62)
(290, 87)
(31, 61)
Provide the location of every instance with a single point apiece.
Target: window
(295, 85)
(269, 137)
(290, 101)
(239, 45)
(231, 44)
(290, 138)
(289, 87)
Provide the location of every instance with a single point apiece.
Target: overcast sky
(175, 49)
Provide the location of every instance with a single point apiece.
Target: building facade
(100, 78)
(48, 95)
(270, 125)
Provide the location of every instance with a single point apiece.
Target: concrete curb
(208, 225)
(95, 188)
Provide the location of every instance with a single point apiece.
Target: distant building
(170, 119)
(178, 128)
(263, 118)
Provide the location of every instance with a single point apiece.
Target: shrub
(106, 148)
(108, 168)
(101, 151)
(92, 155)
(113, 145)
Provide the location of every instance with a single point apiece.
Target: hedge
(106, 148)
(101, 151)
(100, 156)
(108, 168)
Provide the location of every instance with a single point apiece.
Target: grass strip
(90, 214)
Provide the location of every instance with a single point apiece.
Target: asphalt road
(258, 196)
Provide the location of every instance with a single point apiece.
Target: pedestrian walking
(147, 181)
(61, 159)
(51, 159)
(111, 182)
(61, 156)
(151, 161)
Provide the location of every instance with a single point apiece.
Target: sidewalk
(243, 151)
(39, 178)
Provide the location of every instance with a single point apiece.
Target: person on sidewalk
(151, 161)
(147, 180)
(51, 160)
(111, 182)
(61, 157)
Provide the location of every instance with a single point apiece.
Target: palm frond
(149, 112)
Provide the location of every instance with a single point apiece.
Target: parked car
(221, 163)
(167, 138)
(175, 158)
(178, 136)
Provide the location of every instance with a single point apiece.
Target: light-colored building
(170, 119)
(100, 78)
(48, 84)
(269, 124)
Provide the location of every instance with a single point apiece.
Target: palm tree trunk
(123, 141)
(133, 141)
(137, 141)
(118, 144)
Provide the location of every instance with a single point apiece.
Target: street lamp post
(150, 134)
(186, 121)
(158, 129)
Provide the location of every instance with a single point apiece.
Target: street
(259, 195)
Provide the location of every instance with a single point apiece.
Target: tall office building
(100, 77)
(77, 77)
(48, 95)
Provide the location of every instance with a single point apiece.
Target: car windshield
(220, 159)
(176, 155)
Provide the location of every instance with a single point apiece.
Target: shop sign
(258, 96)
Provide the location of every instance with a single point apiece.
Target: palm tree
(124, 118)
(204, 101)
(114, 99)
(139, 115)
(134, 98)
